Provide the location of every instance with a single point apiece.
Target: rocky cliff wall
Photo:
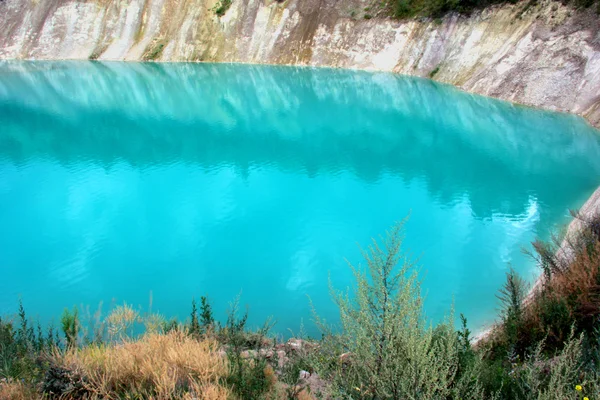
(547, 55)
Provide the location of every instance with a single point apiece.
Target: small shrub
(70, 326)
(434, 71)
(249, 374)
(466, 354)
(194, 328)
(389, 350)
(204, 322)
(221, 8)
(403, 8)
(154, 51)
(555, 320)
(301, 359)
(14, 362)
(511, 297)
(21, 347)
(170, 325)
(25, 335)
(63, 383)
(551, 379)
(207, 320)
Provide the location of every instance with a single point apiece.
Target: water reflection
(117, 179)
(298, 119)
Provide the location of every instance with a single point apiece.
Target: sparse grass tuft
(154, 50)
(121, 322)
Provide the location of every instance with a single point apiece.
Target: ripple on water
(264, 181)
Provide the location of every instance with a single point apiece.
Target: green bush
(221, 8)
(154, 50)
(203, 322)
(194, 327)
(435, 8)
(388, 349)
(434, 71)
(248, 376)
(439, 8)
(70, 326)
(21, 346)
(511, 297)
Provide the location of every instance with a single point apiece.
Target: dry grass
(578, 285)
(270, 375)
(17, 391)
(570, 298)
(566, 297)
(305, 395)
(157, 366)
(121, 320)
(580, 280)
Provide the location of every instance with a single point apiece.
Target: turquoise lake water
(123, 181)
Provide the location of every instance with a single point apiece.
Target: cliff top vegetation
(438, 8)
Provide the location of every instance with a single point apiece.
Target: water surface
(120, 180)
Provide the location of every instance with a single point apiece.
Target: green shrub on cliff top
(439, 8)
(222, 6)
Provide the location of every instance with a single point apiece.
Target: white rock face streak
(546, 56)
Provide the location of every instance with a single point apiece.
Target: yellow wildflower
(578, 388)
(357, 389)
(586, 398)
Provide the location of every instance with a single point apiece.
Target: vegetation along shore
(545, 347)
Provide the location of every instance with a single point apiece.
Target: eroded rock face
(546, 56)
